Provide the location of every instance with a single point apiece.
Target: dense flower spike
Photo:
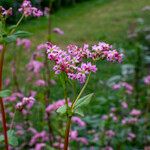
(28, 10)
(73, 60)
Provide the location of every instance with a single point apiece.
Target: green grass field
(87, 22)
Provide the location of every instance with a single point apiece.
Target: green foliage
(5, 93)
(83, 102)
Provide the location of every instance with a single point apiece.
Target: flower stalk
(1, 101)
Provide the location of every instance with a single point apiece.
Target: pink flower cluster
(78, 121)
(72, 60)
(28, 10)
(131, 136)
(58, 31)
(26, 43)
(128, 88)
(4, 12)
(39, 139)
(74, 137)
(147, 80)
(26, 101)
(135, 112)
(110, 133)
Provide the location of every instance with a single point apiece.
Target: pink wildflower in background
(78, 121)
(5, 12)
(110, 133)
(147, 80)
(26, 43)
(58, 31)
(40, 82)
(124, 105)
(128, 87)
(27, 9)
(7, 82)
(135, 112)
(40, 146)
(131, 136)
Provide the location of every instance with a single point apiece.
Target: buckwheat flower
(124, 105)
(1, 48)
(52, 107)
(41, 47)
(36, 12)
(27, 9)
(131, 136)
(19, 106)
(35, 66)
(40, 146)
(135, 112)
(26, 43)
(110, 133)
(108, 148)
(83, 140)
(58, 31)
(104, 117)
(147, 80)
(4, 12)
(40, 83)
(42, 136)
(73, 135)
(113, 55)
(78, 121)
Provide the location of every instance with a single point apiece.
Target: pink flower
(83, 140)
(78, 121)
(110, 133)
(108, 148)
(41, 46)
(40, 83)
(58, 31)
(131, 136)
(4, 12)
(73, 135)
(46, 11)
(53, 107)
(26, 43)
(40, 146)
(128, 88)
(35, 66)
(147, 80)
(25, 102)
(124, 105)
(135, 112)
(27, 9)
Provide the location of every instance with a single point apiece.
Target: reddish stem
(1, 102)
(66, 144)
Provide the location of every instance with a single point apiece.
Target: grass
(87, 22)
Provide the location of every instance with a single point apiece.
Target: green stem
(12, 121)
(68, 126)
(19, 21)
(82, 90)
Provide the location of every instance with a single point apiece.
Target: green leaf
(84, 101)
(22, 34)
(12, 139)
(5, 93)
(62, 110)
(9, 39)
(79, 112)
